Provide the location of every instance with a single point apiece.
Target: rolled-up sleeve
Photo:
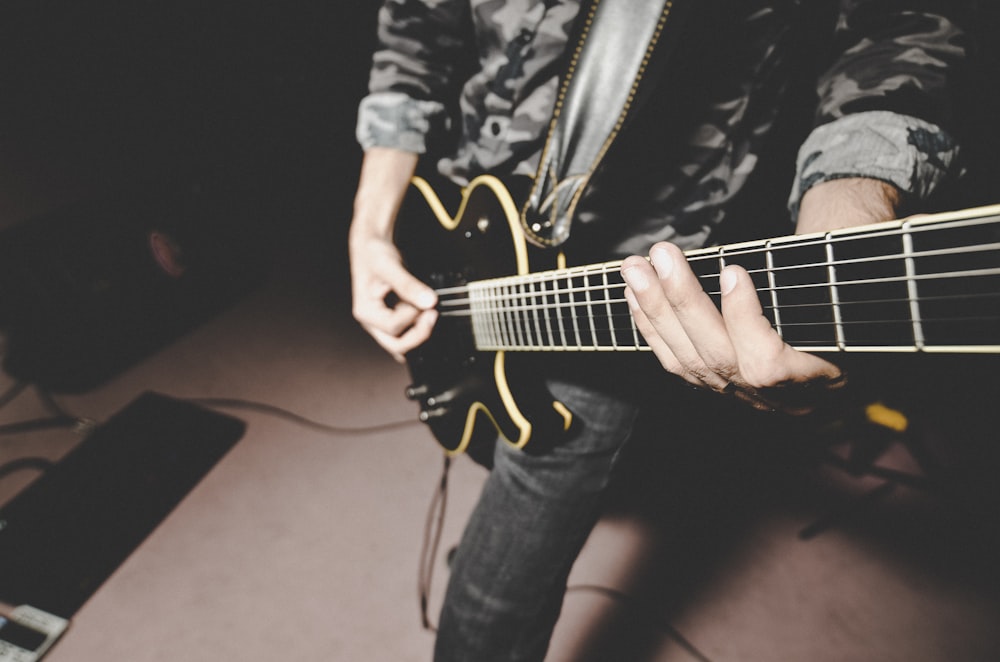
(885, 102)
(913, 155)
(393, 119)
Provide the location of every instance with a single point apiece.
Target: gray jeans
(509, 573)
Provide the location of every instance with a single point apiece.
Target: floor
(303, 542)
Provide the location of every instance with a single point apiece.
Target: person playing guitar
(857, 89)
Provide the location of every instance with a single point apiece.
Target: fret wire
(607, 306)
(522, 320)
(573, 318)
(559, 316)
(511, 315)
(831, 276)
(501, 330)
(538, 326)
(772, 284)
(493, 314)
(545, 314)
(911, 288)
(477, 308)
(515, 317)
(476, 320)
(518, 315)
(481, 311)
(590, 312)
(498, 328)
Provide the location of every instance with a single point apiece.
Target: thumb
(409, 288)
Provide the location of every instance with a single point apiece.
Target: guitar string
(516, 327)
(613, 268)
(511, 325)
(486, 299)
(467, 311)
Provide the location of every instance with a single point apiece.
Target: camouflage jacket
(861, 85)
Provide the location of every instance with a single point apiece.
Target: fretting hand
(736, 351)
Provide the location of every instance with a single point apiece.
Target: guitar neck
(927, 284)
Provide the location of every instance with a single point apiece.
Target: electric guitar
(930, 284)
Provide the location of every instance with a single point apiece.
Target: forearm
(848, 202)
(385, 176)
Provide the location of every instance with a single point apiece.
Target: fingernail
(630, 299)
(635, 278)
(727, 281)
(663, 262)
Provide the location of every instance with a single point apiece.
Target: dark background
(242, 93)
(226, 126)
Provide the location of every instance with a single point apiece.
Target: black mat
(64, 534)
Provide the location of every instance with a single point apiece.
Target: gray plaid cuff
(393, 119)
(914, 155)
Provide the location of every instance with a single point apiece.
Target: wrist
(847, 202)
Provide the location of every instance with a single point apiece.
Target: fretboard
(927, 284)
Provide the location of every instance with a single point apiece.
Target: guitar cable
(278, 412)
(82, 425)
(433, 528)
(59, 419)
(434, 525)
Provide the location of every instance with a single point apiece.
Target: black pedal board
(63, 535)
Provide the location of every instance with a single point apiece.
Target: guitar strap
(602, 85)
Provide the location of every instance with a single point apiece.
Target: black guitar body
(466, 396)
